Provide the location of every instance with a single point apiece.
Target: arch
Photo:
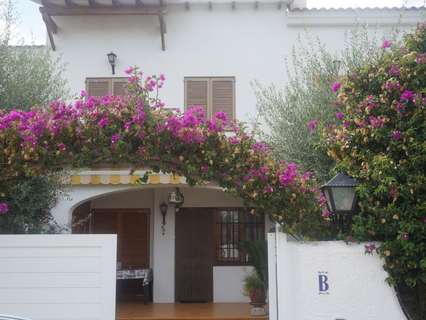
(136, 130)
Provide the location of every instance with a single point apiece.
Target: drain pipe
(276, 272)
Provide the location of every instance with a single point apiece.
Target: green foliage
(286, 111)
(30, 203)
(381, 143)
(29, 75)
(252, 282)
(134, 130)
(257, 251)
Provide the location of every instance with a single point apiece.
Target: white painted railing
(328, 280)
(61, 277)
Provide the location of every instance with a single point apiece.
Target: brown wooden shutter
(119, 87)
(197, 93)
(223, 96)
(134, 239)
(98, 87)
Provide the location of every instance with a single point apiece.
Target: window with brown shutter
(119, 87)
(213, 93)
(197, 93)
(223, 96)
(99, 87)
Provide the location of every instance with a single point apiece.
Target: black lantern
(163, 209)
(112, 58)
(176, 198)
(340, 194)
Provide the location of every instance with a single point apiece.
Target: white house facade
(211, 52)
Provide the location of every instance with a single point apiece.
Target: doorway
(194, 255)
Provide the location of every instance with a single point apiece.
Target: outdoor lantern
(163, 209)
(340, 194)
(112, 58)
(176, 198)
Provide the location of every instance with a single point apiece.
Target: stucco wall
(58, 277)
(250, 44)
(354, 288)
(227, 281)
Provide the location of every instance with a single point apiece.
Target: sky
(32, 30)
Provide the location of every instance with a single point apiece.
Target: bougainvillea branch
(139, 131)
(380, 141)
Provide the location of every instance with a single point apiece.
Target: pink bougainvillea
(138, 130)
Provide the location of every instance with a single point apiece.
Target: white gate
(58, 277)
(327, 280)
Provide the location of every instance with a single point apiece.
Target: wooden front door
(194, 255)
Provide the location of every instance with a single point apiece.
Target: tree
(293, 113)
(29, 76)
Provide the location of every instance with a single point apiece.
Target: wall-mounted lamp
(112, 58)
(163, 209)
(176, 198)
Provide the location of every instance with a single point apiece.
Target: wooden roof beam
(92, 3)
(162, 31)
(51, 27)
(99, 11)
(48, 20)
(69, 3)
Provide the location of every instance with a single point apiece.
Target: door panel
(132, 229)
(194, 255)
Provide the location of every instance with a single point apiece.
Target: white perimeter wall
(357, 288)
(227, 281)
(58, 277)
(250, 44)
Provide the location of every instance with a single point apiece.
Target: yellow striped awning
(122, 177)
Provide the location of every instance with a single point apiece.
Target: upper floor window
(99, 87)
(213, 94)
(231, 227)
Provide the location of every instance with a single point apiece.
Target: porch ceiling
(52, 8)
(122, 177)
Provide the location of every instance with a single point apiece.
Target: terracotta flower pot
(257, 297)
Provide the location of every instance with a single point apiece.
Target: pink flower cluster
(4, 207)
(192, 127)
(376, 122)
(133, 128)
(312, 125)
(289, 174)
(336, 86)
(386, 44)
(394, 71)
(370, 248)
(322, 202)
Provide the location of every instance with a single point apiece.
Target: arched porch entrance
(101, 205)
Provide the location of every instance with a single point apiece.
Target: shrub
(29, 76)
(292, 113)
(381, 142)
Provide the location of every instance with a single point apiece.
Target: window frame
(210, 80)
(260, 226)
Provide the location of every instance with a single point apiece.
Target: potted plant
(255, 289)
(256, 282)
